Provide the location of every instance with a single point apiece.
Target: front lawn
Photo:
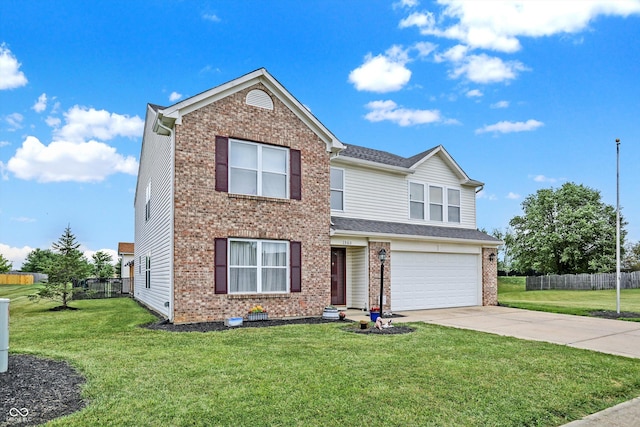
(512, 293)
(312, 375)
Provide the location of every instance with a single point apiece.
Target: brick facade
(202, 214)
(374, 275)
(489, 277)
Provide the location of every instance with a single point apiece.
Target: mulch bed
(34, 391)
(615, 315)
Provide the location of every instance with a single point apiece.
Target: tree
(5, 264)
(102, 266)
(68, 265)
(631, 259)
(37, 261)
(568, 230)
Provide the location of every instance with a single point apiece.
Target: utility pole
(618, 225)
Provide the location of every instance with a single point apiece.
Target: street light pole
(618, 225)
(382, 255)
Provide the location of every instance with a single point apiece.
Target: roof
(366, 226)
(407, 165)
(168, 116)
(125, 248)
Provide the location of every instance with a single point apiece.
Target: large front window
(258, 169)
(258, 266)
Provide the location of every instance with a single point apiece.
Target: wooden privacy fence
(598, 281)
(21, 278)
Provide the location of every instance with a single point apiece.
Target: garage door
(422, 280)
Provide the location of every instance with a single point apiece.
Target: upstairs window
(435, 203)
(337, 189)
(257, 169)
(416, 200)
(147, 271)
(147, 202)
(453, 205)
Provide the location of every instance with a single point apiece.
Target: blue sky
(523, 94)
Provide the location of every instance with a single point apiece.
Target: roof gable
(173, 114)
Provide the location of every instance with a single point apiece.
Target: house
(127, 256)
(245, 198)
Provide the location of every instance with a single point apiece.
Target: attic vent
(259, 98)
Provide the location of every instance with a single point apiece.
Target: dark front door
(338, 276)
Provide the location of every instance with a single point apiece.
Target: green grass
(312, 375)
(511, 292)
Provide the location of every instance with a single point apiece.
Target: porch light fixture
(382, 256)
(492, 256)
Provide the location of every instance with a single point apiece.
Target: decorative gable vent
(259, 98)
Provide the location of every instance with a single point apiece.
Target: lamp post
(618, 225)
(382, 255)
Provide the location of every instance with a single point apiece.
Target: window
(435, 203)
(147, 203)
(258, 169)
(453, 205)
(416, 200)
(258, 266)
(337, 189)
(147, 271)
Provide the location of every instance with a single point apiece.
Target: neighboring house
(245, 198)
(127, 255)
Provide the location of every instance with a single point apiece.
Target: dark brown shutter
(220, 264)
(222, 162)
(295, 185)
(296, 266)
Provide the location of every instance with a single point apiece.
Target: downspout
(171, 217)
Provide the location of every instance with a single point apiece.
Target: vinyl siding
(154, 236)
(383, 196)
(356, 277)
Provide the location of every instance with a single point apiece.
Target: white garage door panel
(426, 280)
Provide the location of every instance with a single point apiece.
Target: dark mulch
(384, 331)
(163, 325)
(34, 391)
(615, 315)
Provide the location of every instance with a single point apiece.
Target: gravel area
(34, 391)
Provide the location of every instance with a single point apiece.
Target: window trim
(147, 202)
(424, 200)
(259, 267)
(260, 168)
(427, 203)
(147, 271)
(459, 205)
(341, 190)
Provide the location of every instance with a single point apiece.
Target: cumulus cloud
(14, 120)
(211, 17)
(53, 122)
(84, 123)
(15, 255)
(382, 73)
(500, 104)
(10, 75)
(484, 195)
(542, 178)
(498, 26)
(424, 48)
(509, 127)
(174, 96)
(61, 161)
(390, 111)
(474, 93)
(4, 143)
(513, 196)
(486, 69)
(41, 104)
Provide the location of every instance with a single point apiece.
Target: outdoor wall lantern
(382, 255)
(492, 256)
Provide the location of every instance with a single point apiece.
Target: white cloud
(211, 17)
(486, 69)
(4, 143)
(424, 48)
(542, 178)
(474, 93)
(174, 96)
(455, 54)
(389, 110)
(23, 219)
(88, 253)
(509, 127)
(500, 104)
(60, 161)
(84, 123)
(16, 255)
(53, 122)
(513, 196)
(382, 73)
(14, 120)
(41, 104)
(484, 195)
(10, 75)
(497, 25)
(406, 3)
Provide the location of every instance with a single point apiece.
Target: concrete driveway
(603, 335)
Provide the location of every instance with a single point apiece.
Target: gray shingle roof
(384, 157)
(382, 227)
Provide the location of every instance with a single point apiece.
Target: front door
(338, 276)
